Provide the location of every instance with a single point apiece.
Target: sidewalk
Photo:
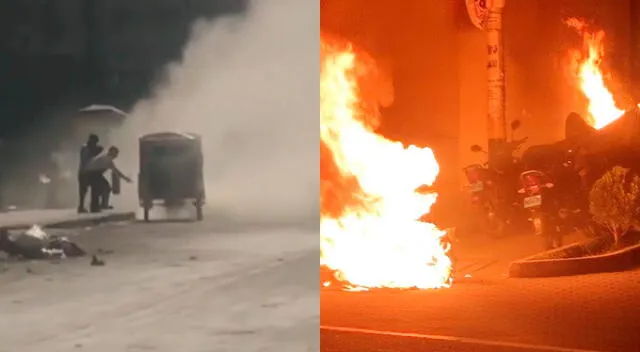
(487, 258)
(60, 218)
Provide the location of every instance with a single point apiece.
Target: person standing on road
(88, 151)
(100, 188)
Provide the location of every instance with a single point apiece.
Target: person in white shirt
(100, 188)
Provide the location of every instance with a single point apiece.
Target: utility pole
(497, 125)
(487, 16)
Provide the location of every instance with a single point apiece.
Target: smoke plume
(247, 86)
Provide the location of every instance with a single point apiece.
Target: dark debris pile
(27, 246)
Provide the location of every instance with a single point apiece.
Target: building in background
(76, 52)
(57, 56)
(135, 40)
(438, 62)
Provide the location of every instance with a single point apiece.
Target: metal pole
(497, 130)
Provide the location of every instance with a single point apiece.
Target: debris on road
(37, 244)
(96, 262)
(37, 232)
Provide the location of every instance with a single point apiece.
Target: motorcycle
(551, 173)
(553, 210)
(483, 196)
(492, 190)
(537, 200)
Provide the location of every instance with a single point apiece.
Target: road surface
(585, 313)
(192, 287)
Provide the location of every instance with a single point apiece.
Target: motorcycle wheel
(538, 224)
(494, 226)
(551, 235)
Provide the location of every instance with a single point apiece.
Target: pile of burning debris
(35, 244)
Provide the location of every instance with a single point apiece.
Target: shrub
(614, 202)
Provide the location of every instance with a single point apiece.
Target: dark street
(591, 313)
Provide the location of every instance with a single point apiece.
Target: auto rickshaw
(171, 171)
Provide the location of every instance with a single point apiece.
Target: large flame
(370, 231)
(587, 62)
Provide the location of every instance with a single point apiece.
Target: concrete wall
(91, 50)
(42, 27)
(139, 38)
(42, 45)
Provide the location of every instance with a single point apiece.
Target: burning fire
(602, 107)
(370, 231)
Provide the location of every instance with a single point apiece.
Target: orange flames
(370, 231)
(602, 107)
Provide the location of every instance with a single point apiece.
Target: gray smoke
(249, 86)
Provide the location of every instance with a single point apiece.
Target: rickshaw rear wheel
(199, 214)
(146, 212)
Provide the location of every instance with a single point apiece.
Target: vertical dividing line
(634, 44)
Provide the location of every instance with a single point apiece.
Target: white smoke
(249, 86)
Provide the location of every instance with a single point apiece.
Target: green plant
(614, 202)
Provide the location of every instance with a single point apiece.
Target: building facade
(57, 56)
(438, 61)
(75, 52)
(137, 39)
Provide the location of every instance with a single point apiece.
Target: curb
(624, 259)
(78, 222)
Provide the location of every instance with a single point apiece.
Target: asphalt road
(192, 287)
(585, 313)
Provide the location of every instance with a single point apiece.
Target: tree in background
(614, 202)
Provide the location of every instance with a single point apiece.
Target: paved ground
(595, 312)
(487, 258)
(489, 312)
(43, 217)
(168, 287)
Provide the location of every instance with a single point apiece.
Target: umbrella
(102, 109)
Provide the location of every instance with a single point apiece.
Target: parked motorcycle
(555, 208)
(483, 196)
(493, 189)
(546, 216)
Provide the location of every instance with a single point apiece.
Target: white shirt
(101, 162)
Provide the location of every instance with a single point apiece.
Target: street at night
(484, 310)
(476, 139)
(584, 313)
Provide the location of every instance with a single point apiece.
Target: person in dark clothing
(87, 152)
(100, 188)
